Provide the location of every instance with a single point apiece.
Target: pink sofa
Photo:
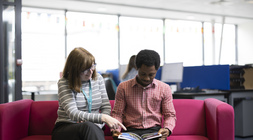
(208, 119)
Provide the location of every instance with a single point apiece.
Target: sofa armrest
(14, 119)
(219, 120)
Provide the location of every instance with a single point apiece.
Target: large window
(183, 42)
(8, 53)
(113, 40)
(96, 33)
(42, 48)
(215, 51)
(225, 53)
(209, 50)
(245, 43)
(139, 33)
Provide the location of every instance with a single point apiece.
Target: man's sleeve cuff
(169, 131)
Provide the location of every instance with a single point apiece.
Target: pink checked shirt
(143, 107)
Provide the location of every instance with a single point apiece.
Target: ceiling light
(222, 2)
(101, 9)
(190, 17)
(249, 1)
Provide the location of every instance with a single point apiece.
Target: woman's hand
(112, 122)
(165, 133)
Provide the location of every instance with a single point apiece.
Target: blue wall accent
(207, 77)
(115, 75)
(158, 74)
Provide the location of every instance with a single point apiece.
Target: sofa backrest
(190, 117)
(42, 117)
(14, 117)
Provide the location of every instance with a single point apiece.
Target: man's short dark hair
(148, 58)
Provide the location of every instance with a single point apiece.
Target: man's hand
(165, 133)
(115, 134)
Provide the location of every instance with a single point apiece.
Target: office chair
(110, 88)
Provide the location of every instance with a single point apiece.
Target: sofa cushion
(38, 137)
(108, 138)
(187, 137)
(42, 117)
(190, 117)
(107, 130)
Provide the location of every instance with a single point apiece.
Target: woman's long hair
(78, 60)
(131, 64)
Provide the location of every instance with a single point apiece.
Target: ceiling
(229, 11)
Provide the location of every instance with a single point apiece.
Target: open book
(133, 136)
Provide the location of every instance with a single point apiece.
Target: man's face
(146, 75)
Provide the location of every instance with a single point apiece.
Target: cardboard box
(248, 77)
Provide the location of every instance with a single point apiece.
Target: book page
(129, 136)
(150, 136)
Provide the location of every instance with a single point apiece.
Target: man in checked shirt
(141, 102)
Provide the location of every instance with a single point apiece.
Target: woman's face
(87, 74)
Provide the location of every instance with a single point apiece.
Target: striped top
(143, 107)
(73, 106)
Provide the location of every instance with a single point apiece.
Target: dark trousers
(144, 131)
(77, 131)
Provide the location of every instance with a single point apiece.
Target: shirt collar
(135, 83)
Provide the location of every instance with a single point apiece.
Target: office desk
(242, 101)
(45, 95)
(239, 94)
(220, 95)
